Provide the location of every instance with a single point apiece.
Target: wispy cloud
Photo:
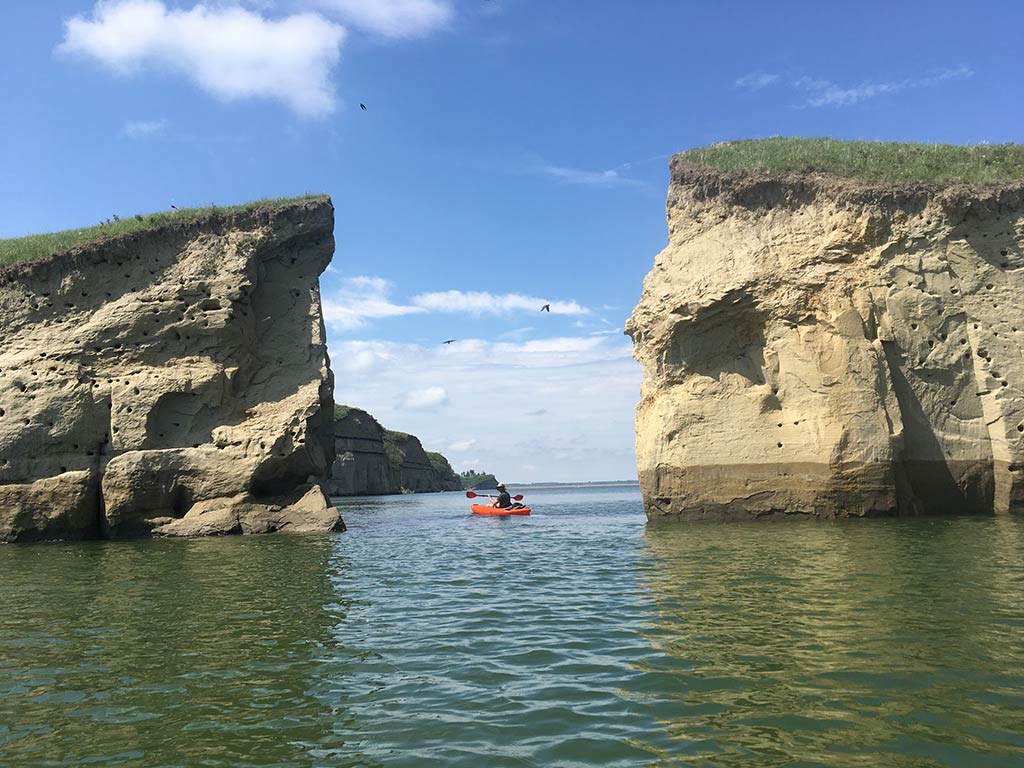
(361, 299)
(230, 52)
(756, 80)
(358, 300)
(484, 303)
(144, 129)
(390, 18)
(609, 178)
(825, 93)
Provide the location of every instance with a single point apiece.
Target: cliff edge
(830, 347)
(170, 381)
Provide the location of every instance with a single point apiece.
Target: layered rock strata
(361, 466)
(371, 460)
(416, 472)
(170, 381)
(815, 346)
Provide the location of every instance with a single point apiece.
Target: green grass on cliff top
(869, 160)
(15, 249)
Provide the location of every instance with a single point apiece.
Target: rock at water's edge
(174, 373)
(822, 347)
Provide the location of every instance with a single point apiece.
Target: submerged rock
(815, 346)
(170, 381)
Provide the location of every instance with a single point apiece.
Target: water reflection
(846, 644)
(206, 652)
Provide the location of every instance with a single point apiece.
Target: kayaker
(504, 501)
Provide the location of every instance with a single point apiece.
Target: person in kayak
(504, 501)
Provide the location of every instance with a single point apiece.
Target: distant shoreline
(555, 486)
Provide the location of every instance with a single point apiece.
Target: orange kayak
(487, 509)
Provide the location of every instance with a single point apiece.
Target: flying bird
(448, 341)
(546, 308)
(362, 106)
(174, 207)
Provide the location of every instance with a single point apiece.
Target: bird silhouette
(546, 308)
(449, 341)
(174, 207)
(362, 106)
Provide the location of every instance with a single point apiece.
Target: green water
(576, 637)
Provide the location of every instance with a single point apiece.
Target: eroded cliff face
(173, 381)
(416, 472)
(372, 460)
(813, 346)
(361, 466)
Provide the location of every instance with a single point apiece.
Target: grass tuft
(885, 161)
(17, 249)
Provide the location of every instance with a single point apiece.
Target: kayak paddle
(471, 495)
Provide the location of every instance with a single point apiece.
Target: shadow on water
(171, 653)
(896, 643)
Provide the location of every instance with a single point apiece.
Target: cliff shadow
(930, 482)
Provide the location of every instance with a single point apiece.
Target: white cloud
(609, 178)
(756, 80)
(564, 406)
(484, 303)
(391, 18)
(825, 93)
(360, 299)
(230, 52)
(355, 301)
(144, 129)
(425, 399)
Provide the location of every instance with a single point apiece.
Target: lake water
(576, 637)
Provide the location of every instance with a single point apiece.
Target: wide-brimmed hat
(500, 485)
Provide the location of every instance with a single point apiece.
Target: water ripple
(576, 637)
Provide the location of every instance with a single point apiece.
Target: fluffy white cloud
(230, 52)
(391, 18)
(484, 303)
(425, 399)
(360, 299)
(549, 409)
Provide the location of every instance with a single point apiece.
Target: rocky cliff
(170, 381)
(416, 472)
(816, 346)
(361, 466)
(372, 460)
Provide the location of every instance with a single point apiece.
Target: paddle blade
(518, 497)
(470, 495)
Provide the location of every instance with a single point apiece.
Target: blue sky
(516, 148)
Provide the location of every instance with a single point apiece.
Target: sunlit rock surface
(814, 346)
(171, 381)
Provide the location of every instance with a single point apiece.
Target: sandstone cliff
(170, 381)
(826, 347)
